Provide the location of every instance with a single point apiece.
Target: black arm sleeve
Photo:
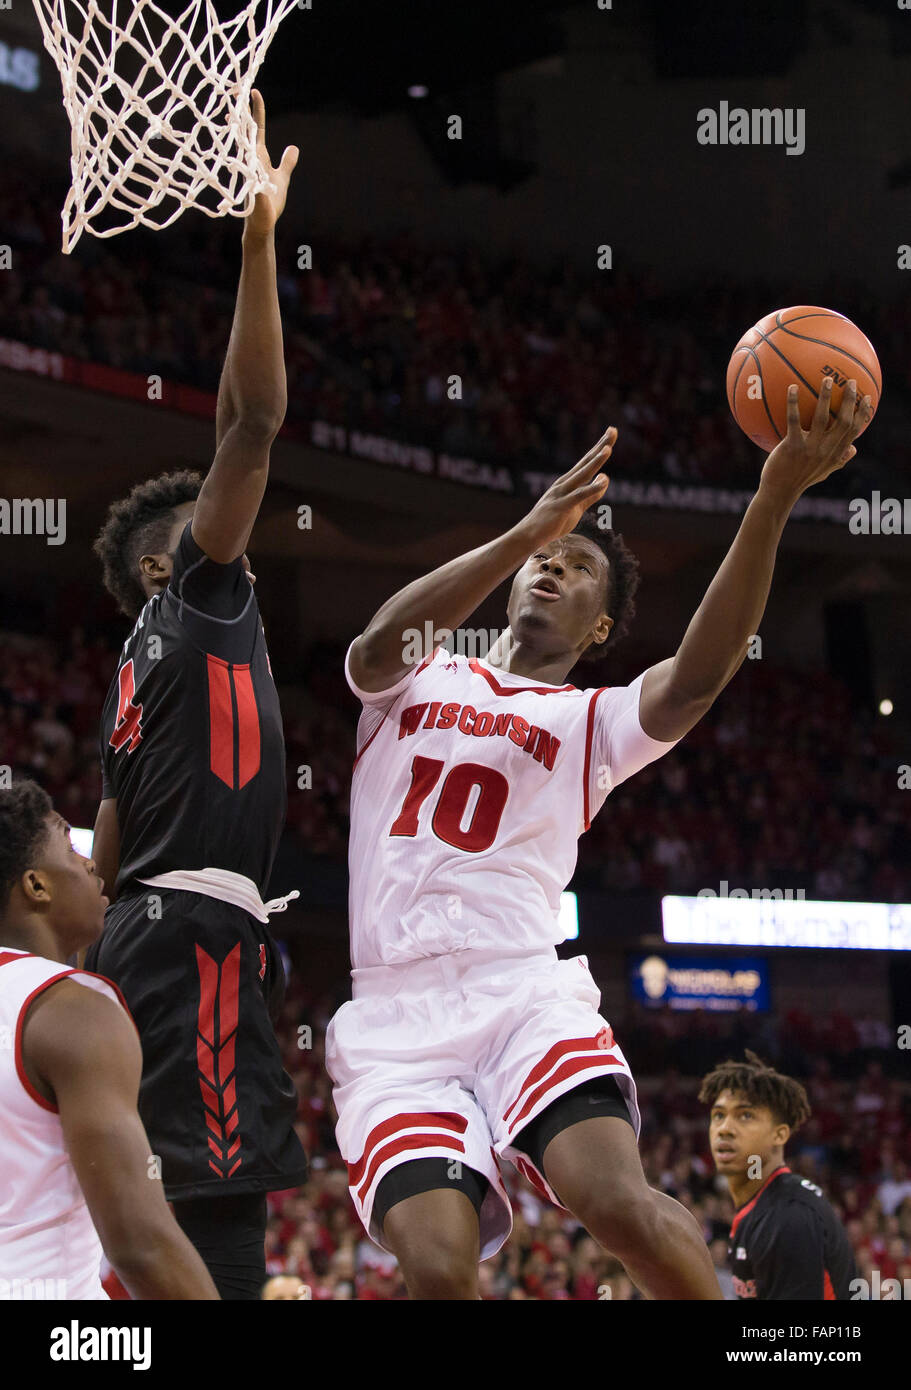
(790, 1265)
(218, 591)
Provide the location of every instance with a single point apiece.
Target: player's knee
(444, 1272)
(436, 1265)
(621, 1217)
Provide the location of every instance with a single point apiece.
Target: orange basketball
(803, 345)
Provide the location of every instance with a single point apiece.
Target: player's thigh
(595, 1168)
(556, 1043)
(430, 1218)
(400, 1103)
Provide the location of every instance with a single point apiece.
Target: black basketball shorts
(204, 982)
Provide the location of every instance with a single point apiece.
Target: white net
(159, 108)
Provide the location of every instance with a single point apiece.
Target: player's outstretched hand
(559, 509)
(805, 457)
(269, 205)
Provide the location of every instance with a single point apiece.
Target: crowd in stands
(856, 1145)
(547, 356)
(811, 813)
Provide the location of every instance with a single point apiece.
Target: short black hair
(760, 1084)
(24, 809)
(138, 525)
(622, 581)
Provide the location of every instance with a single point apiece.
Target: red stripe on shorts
(540, 1069)
(401, 1145)
(569, 1068)
(425, 1119)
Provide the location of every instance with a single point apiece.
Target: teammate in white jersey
(467, 1039)
(78, 1174)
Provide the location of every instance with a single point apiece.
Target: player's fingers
(258, 110)
(590, 492)
(820, 420)
(593, 457)
(289, 160)
(845, 416)
(793, 415)
(862, 416)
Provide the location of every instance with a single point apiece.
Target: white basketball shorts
(453, 1056)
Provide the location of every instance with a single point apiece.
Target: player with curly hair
(786, 1241)
(193, 766)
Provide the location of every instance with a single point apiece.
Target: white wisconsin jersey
(48, 1245)
(470, 790)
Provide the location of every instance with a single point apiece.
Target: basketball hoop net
(159, 109)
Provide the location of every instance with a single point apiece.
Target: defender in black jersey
(194, 802)
(786, 1241)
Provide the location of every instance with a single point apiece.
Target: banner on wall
(720, 985)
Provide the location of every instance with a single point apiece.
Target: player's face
(76, 900)
(740, 1131)
(558, 596)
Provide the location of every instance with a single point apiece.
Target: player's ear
(601, 630)
(156, 567)
(35, 886)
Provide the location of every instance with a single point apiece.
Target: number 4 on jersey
(128, 724)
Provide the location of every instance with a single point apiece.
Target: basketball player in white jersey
(467, 1039)
(78, 1176)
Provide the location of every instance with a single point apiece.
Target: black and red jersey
(191, 733)
(787, 1243)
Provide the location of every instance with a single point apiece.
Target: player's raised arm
(253, 393)
(85, 1049)
(448, 595)
(677, 692)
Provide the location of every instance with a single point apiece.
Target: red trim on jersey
(219, 988)
(369, 741)
(508, 690)
(828, 1291)
(403, 1144)
(36, 1096)
(586, 770)
(248, 746)
(742, 1212)
(567, 1069)
(426, 662)
(529, 1171)
(116, 989)
(221, 721)
(410, 1120)
(5, 959)
(553, 1055)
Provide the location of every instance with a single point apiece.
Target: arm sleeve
(104, 748)
(620, 745)
(792, 1264)
(107, 791)
(216, 591)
